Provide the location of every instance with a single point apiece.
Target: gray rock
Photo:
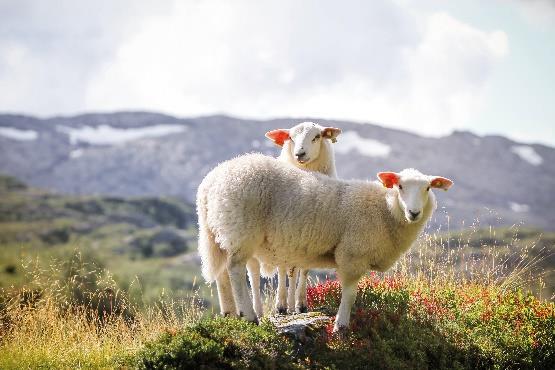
(303, 327)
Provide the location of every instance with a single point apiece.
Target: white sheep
(257, 206)
(305, 146)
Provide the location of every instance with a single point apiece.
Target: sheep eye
(316, 138)
(400, 187)
(428, 188)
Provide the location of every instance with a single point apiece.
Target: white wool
(255, 206)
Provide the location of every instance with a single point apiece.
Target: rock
(303, 327)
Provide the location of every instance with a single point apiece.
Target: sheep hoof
(253, 320)
(302, 309)
(340, 332)
(281, 311)
(226, 314)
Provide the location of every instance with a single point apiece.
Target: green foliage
(218, 343)
(159, 243)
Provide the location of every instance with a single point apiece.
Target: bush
(160, 243)
(218, 343)
(56, 236)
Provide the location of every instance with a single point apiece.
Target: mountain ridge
(497, 180)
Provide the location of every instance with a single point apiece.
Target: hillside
(110, 282)
(128, 154)
(147, 245)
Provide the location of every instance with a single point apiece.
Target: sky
(426, 66)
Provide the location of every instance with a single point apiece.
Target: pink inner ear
(278, 136)
(331, 132)
(388, 179)
(441, 183)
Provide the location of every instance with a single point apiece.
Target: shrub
(217, 343)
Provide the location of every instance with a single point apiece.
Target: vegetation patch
(409, 324)
(217, 343)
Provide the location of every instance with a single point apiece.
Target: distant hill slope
(498, 181)
(147, 240)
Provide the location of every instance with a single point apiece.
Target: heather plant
(467, 325)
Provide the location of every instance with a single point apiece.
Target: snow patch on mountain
(528, 154)
(108, 135)
(519, 208)
(74, 154)
(16, 134)
(350, 140)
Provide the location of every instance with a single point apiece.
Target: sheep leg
(225, 296)
(253, 267)
(348, 296)
(238, 277)
(292, 274)
(281, 302)
(300, 296)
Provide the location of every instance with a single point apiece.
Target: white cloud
(537, 12)
(367, 61)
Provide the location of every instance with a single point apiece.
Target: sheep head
(413, 190)
(305, 140)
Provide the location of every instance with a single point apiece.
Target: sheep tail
(213, 258)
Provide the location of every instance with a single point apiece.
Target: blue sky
(426, 66)
(520, 95)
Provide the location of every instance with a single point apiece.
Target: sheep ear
(278, 136)
(388, 179)
(331, 133)
(439, 182)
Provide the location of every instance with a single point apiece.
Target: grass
(74, 316)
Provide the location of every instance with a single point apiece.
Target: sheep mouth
(303, 160)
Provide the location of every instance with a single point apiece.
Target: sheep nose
(413, 214)
(299, 155)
